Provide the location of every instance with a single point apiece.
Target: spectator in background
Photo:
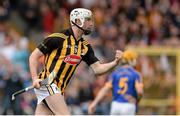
(12, 83)
(21, 54)
(85, 95)
(29, 11)
(47, 17)
(9, 47)
(126, 85)
(4, 11)
(61, 20)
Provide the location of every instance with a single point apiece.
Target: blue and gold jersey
(122, 81)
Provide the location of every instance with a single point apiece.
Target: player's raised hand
(118, 56)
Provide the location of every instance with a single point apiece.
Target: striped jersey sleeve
(50, 43)
(90, 58)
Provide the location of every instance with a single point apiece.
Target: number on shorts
(123, 85)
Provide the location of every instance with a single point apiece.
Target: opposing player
(63, 53)
(126, 85)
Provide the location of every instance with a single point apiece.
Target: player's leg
(51, 99)
(42, 109)
(57, 104)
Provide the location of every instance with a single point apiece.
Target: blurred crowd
(118, 23)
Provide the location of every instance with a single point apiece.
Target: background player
(127, 87)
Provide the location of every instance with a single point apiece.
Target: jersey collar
(70, 32)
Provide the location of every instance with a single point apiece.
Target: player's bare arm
(100, 68)
(98, 98)
(139, 89)
(33, 64)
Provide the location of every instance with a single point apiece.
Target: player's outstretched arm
(100, 68)
(98, 98)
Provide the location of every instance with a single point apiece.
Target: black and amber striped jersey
(63, 53)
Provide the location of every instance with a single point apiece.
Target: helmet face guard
(86, 31)
(81, 14)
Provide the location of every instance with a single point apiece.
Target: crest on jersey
(72, 59)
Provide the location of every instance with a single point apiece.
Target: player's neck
(77, 33)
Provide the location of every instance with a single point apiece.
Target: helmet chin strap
(86, 31)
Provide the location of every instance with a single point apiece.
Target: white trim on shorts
(46, 91)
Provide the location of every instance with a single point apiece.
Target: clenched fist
(118, 56)
(36, 83)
